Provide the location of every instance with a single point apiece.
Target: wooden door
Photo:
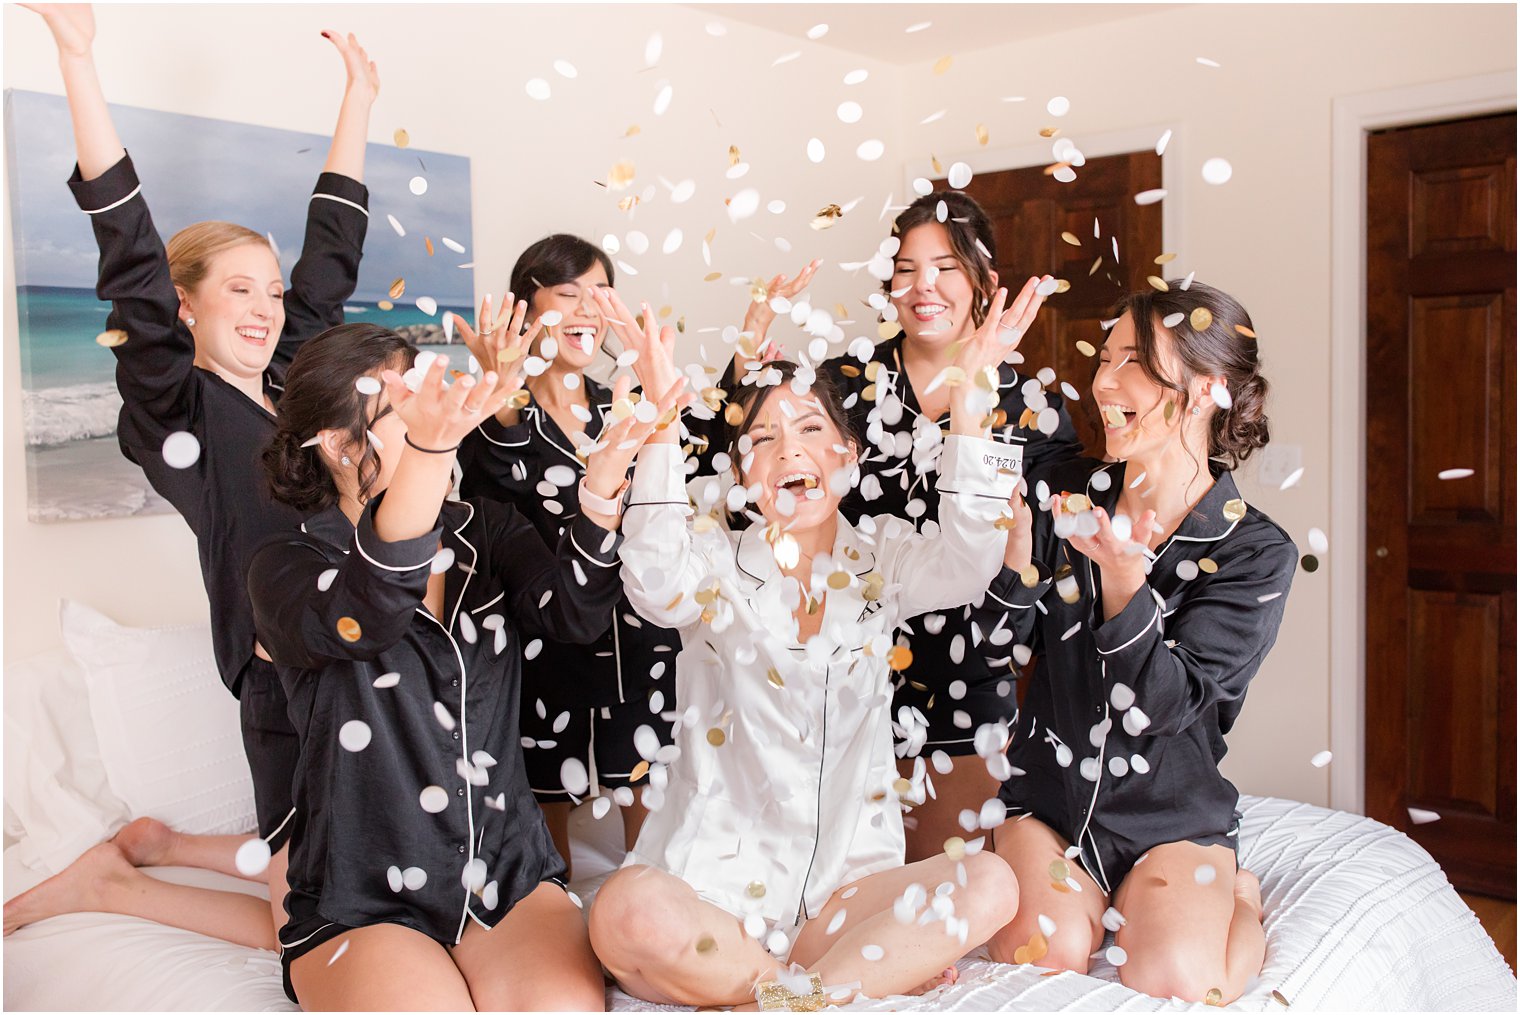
(1030, 210)
(1440, 713)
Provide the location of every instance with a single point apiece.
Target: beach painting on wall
(193, 168)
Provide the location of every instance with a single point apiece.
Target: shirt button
(459, 791)
(456, 683)
(461, 847)
(456, 734)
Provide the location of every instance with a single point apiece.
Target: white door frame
(1117, 142)
(1353, 117)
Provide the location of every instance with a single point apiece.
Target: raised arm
(337, 217)
(96, 144)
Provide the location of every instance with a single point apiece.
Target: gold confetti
(1076, 503)
(899, 657)
(705, 597)
(849, 369)
(1245, 331)
(1086, 348)
(1030, 576)
(873, 370)
(628, 203)
(868, 393)
(1050, 131)
(622, 409)
(639, 771)
(716, 737)
(937, 165)
(839, 580)
(1034, 951)
(1168, 411)
(999, 418)
(1234, 510)
(1055, 167)
(1072, 239)
(943, 64)
(1005, 523)
(1277, 996)
(981, 134)
(398, 289)
(511, 354)
(1094, 269)
(712, 276)
(673, 603)
(632, 130)
(1201, 318)
(1214, 997)
(429, 241)
(733, 155)
(348, 629)
(620, 175)
(110, 339)
(1158, 284)
(1063, 286)
(386, 305)
(1207, 565)
(1166, 258)
(902, 787)
(955, 847)
(774, 677)
(402, 138)
(755, 889)
(705, 944)
(887, 329)
(733, 415)
(826, 217)
(1061, 886)
(1113, 415)
(1060, 870)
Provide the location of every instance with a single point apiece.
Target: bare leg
(557, 817)
(385, 967)
(538, 958)
(665, 945)
(1187, 935)
(634, 816)
(1030, 847)
(104, 881)
(965, 787)
(915, 957)
(148, 842)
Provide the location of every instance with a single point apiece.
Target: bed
(1358, 917)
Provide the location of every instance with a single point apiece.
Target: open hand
(630, 428)
(438, 417)
(363, 77)
(1107, 549)
(653, 345)
(500, 344)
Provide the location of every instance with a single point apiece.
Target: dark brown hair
(967, 224)
(1218, 349)
(320, 395)
(750, 398)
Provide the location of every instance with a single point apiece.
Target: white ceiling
(877, 29)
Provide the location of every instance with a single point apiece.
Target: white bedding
(1358, 917)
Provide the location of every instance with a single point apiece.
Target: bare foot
(146, 842)
(82, 887)
(947, 978)
(1248, 890)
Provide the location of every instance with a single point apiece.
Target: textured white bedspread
(1358, 918)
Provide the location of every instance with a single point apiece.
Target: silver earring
(346, 461)
(1197, 411)
(189, 322)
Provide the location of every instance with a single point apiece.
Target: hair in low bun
(320, 394)
(1211, 337)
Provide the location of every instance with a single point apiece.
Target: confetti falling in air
(1321, 759)
(181, 450)
(1454, 473)
(354, 735)
(1422, 817)
(870, 150)
(111, 339)
(1150, 196)
(418, 185)
(252, 858)
(1058, 106)
(815, 150)
(433, 799)
(339, 953)
(1217, 171)
(538, 89)
(396, 225)
(565, 69)
(1161, 142)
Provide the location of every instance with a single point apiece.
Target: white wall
(1264, 236)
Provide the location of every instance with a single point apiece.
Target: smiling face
(933, 295)
(1132, 406)
(796, 454)
(239, 310)
(581, 329)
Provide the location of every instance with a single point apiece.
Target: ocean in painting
(192, 168)
(75, 466)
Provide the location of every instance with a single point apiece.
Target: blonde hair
(191, 249)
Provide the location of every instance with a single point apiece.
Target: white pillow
(168, 729)
(58, 802)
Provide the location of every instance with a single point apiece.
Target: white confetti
(385, 680)
(855, 77)
(653, 47)
(326, 578)
(870, 150)
(817, 31)
(1318, 541)
(418, 185)
(872, 953)
(1293, 478)
(537, 88)
(572, 775)
(743, 204)
(1217, 171)
(1116, 956)
(1454, 473)
(662, 99)
(1150, 196)
(396, 225)
(433, 799)
(354, 735)
(393, 876)
(849, 112)
(1422, 817)
(960, 176)
(181, 450)
(1161, 142)
(453, 245)
(565, 69)
(815, 150)
(1321, 759)
(413, 878)
(1205, 874)
(1058, 106)
(533, 648)
(427, 305)
(252, 858)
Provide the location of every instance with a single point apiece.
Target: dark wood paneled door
(1440, 714)
(1031, 212)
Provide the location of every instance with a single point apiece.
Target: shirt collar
(1206, 522)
